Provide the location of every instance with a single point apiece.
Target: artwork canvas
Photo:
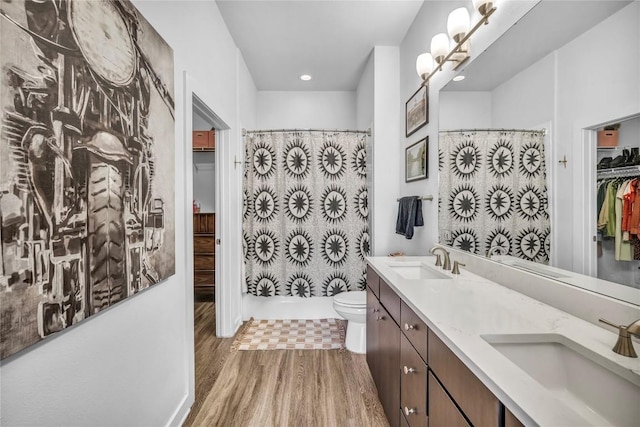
(86, 163)
(416, 161)
(417, 111)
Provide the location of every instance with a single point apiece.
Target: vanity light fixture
(305, 77)
(457, 48)
(424, 65)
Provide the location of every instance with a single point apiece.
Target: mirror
(549, 71)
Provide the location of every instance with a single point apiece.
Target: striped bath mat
(320, 334)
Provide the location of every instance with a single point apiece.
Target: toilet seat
(351, 299)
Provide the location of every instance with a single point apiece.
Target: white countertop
(462, 309)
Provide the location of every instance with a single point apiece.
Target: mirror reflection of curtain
(493, 192)
(305, 204)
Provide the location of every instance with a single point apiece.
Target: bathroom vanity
(460, 350)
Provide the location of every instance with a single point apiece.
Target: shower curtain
(493, 192)
(305, 224)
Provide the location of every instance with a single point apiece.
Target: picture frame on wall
(417, 111)
(416, 161)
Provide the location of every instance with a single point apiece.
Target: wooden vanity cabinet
(383, 348)
(437, 390)
(442, 410)
(510, 420)
(373, 331)
(475, 400)
(413, 385)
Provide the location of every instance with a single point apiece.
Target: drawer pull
(409, 411)
(408, 327)
(408, 370)
(375, 310)
(379, 317)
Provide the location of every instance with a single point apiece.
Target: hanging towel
(409, 215)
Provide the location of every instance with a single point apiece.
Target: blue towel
(409, 216)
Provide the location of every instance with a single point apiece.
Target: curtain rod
(428, 197)
(544, 131)
(245, 132)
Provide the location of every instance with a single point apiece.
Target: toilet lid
(354, 298)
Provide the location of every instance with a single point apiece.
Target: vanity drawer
(204, 262)
(204, 277)
(442, 411)
(373, 281)
(390, 300)
(413, 385)
(414, 328)
(204, 244)
(479, 405)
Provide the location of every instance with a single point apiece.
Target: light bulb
(458, 23)
(424, 65)
(439, 47)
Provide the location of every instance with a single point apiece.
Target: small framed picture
(416, 159)
(417, 111)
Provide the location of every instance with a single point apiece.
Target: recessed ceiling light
(305, 77)
(458, 78)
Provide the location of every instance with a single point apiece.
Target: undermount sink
(599, 390)
(413, 270)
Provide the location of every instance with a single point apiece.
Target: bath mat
(320, 334)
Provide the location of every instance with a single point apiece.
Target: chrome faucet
(447, 261)
(624, 345)
(495, 249)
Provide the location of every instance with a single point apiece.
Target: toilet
(353, 307)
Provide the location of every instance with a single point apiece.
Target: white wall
(465, 110)
(386, 149)
(306, 110)
(365, 96)
(527, 99)
(132, 365)
(364, 120)
(432, 19)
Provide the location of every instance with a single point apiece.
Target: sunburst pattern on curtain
(493, 192)
(305, 213)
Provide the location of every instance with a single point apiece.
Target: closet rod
(245, 132)
(544, 131)
(621, 172)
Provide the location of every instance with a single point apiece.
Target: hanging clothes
(618, 200)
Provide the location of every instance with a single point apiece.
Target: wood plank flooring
(278, 387)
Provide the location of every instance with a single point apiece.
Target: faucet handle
(438, 261)
(623, 346)
(455, 269)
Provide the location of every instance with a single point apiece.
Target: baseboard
(287, 307)
(182, 411)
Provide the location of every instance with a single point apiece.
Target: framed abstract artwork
(86, 163)
(417, 111)
(416, 159)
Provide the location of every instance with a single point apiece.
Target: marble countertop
(463, 308)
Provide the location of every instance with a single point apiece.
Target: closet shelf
(625, 171)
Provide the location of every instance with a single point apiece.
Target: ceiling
(547, 27)
(330, 40)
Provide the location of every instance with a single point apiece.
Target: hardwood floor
(280, 387)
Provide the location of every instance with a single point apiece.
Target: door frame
(585, 226)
